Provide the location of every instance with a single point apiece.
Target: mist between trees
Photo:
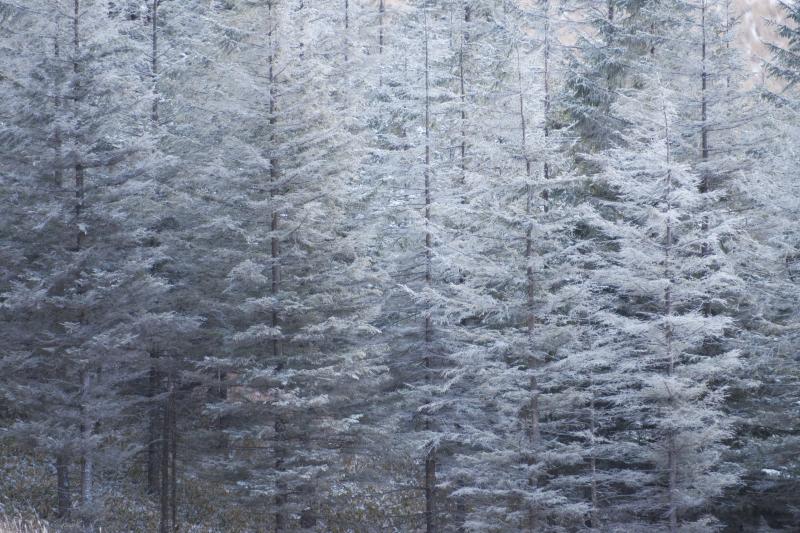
(367, 265)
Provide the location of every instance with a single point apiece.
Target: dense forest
(398, 265)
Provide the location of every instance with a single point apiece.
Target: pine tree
(297, 295)
(77, 302)
(677, 409)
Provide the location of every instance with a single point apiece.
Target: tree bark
(346, 30)
(63, 491)
(672, 466)
(546, 101)
(165, 492)
(63, 488)
(87, 460)
(593, 514)
(463, 95)
(430, 491)
(154, 377)
(281, 496)
(530, 317)
(705, 185)
(153, 437)
(79, 169)
(154, 60)
(430, 458)
(381, 11)
(173, 441)
(58, 171)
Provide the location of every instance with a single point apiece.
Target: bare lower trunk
(673, 481)
(153, 429)
(164, 525)
(173, 448)
(87, 476)
(87, 459)
(430, 492)
(281, 497)
(63, 489)
(595, 523)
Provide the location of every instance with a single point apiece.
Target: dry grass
(18, 525)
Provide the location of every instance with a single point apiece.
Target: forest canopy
(399, 265)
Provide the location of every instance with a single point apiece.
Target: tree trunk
(63, 491)
(461, 504)
(154, 377)
(705, 186)
(87, 460)
(594, 519)
(530, 317)
(154, 60)
(153, 437)
(668, 333)
(673, 481)
(79, 169)
(529, 285)
(430, 458)
(281, 496)
(58, 171)
(346, 30)
(381, 11)
(546, 102)
(430, 491)
(173, 441)
(165, 492)
(463, 96)
(63, 488)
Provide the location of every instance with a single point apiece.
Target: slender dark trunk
(87, 460)
(430, 458)
(461, 504)
(609, 44)
(166, 424)
(153, 438)
(530, 317)
(381, 11)
(705, 186)
(154, 378)
(672, 466)
(546, 100)
(281, 496)
(430, 491)
(463, 95)
(529, 285)
(154, 61)
(173, 447)
(63, 489)
(593, 514)
(346, 29)
(58, 170)
(79, 168)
